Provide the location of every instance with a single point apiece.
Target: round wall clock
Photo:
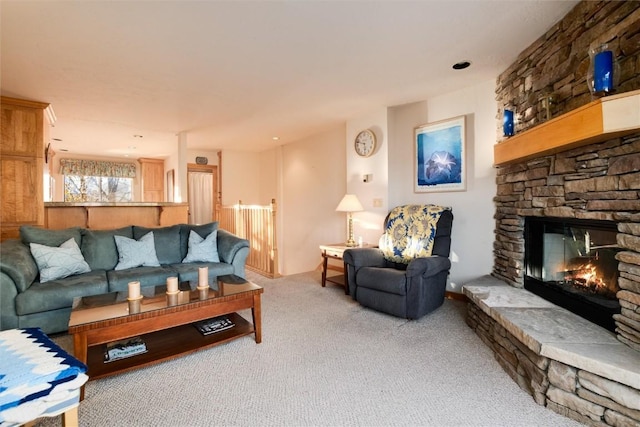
(365, 143)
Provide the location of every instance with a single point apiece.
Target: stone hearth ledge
(554, 332)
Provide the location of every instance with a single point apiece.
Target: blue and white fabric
(410, 232)
(36, 376)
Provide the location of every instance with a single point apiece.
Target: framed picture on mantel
(439, 163)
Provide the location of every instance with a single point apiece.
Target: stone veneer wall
(599, 181)
(567, 390)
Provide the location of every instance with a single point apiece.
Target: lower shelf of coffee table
(165, 345)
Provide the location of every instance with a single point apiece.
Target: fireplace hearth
(572, 263)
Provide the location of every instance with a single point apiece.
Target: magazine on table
(124, 348)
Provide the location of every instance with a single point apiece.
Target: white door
(200, 197)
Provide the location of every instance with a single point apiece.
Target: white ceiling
(233, 74)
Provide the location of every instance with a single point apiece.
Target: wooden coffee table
(167, 330)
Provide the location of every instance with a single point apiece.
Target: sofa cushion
(99, 247)
(185, 230)
(17, 262)
(59, 262)
(147, 276)
(382, 279)
(42, 236)
(58, 294)
(202, 250)
(167, 241)
(189, 272)
(134, 253)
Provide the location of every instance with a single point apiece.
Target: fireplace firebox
(571, 263)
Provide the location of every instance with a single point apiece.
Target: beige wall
(240, 177)
(309, 177)
(270, 165)
(367, 224)
(473, 225)
(313, 182)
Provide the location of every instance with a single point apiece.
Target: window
(97, 181)
(97, 189)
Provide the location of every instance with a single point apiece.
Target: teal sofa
(26, 302)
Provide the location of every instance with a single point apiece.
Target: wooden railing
(258, 225)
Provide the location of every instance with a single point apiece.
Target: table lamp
(350, 204)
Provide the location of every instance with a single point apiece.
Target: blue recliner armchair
(407, 275)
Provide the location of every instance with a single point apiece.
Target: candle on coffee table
(134, 290)
(172, 284)
(203, 277)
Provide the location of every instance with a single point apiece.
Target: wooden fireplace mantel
(602, 119)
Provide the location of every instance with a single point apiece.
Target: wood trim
(194, 167)
(597, 121)
(456, 296)
(24, 102)
(220, 173)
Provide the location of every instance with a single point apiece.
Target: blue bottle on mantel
(603, 72)
(507, 123)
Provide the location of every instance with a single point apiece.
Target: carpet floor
(324, 361)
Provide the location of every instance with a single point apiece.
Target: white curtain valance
(80, 167)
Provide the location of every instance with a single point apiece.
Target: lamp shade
(349, 203)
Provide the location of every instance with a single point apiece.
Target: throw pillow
(202, 250)
(57, 263)
(136, 253)
(185, 230)
(409, 232)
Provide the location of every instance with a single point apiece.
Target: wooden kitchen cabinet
(25, 131)
(152, 179)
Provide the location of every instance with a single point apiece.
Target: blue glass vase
(602, 77)
(508, 122)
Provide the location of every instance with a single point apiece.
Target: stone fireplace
(595, 182)
(568, 173)
(566, 363)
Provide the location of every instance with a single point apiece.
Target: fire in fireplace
(571, 262)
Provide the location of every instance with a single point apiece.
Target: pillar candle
(172, 284)
(134, 290)
(203, 276)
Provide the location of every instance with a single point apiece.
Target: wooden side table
(336, 251)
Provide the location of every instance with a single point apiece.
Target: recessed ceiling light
(461, 65)
(137, 136)
(63, 149)
(56, 139)
(276, 138)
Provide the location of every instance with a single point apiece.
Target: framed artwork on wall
(439, 163)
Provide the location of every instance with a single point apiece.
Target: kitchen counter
(110, 204)
(100, 216)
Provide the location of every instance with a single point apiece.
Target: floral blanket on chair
(410, 232)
